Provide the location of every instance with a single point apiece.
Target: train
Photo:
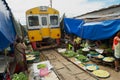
(43, 25)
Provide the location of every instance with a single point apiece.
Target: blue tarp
(92, 30)
(7, 31)
(73, 26)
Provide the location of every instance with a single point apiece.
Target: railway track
(64, 67)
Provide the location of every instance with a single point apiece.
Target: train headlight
(58, 35)
(32, 37)
(43, 8)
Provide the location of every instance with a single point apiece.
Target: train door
(45, 30)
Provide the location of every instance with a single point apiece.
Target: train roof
(42, 9)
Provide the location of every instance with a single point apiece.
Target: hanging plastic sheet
(7, 31)
(92, 30)
(101, 30)
(73, 26)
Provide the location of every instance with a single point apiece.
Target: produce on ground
(39, 66)
(101, 73)
(82, 58)
(85, 49)
(91, 67)
(30, 58)
(93, 53)
(20, 76)
(100, 56)
(79, 51)
(108, 59)
(29, 55)
(108, 50)
(36, 53)
(69, 53)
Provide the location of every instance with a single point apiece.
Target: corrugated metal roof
(111, 12)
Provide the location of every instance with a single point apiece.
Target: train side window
(44, 21)
(33, 21)
(54, 20)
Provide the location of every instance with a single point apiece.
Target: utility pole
(51, 3)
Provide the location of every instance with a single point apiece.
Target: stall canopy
(92, 30)
(7, 31)
(73, 26)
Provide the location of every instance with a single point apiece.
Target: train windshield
(44, 21)
(33, 21)
(54, 20)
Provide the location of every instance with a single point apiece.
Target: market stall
(92, 30)
(42, 71)
(90, 61)
(7, 38)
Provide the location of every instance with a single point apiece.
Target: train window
(44, 21)
(33, 21)
(54, 20)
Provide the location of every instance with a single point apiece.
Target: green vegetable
(82, 58)
(69, 53)
(20, 76)
(39, 66)
(36, 53)
(93, 53)
(109, 50)
(79, 51)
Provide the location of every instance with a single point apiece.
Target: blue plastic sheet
(92, 30)
(7, 31)
(73, 26)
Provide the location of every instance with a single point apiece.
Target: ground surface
(66, 70)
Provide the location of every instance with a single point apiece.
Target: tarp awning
(73, 26)
(92, 30)
(7, 31)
